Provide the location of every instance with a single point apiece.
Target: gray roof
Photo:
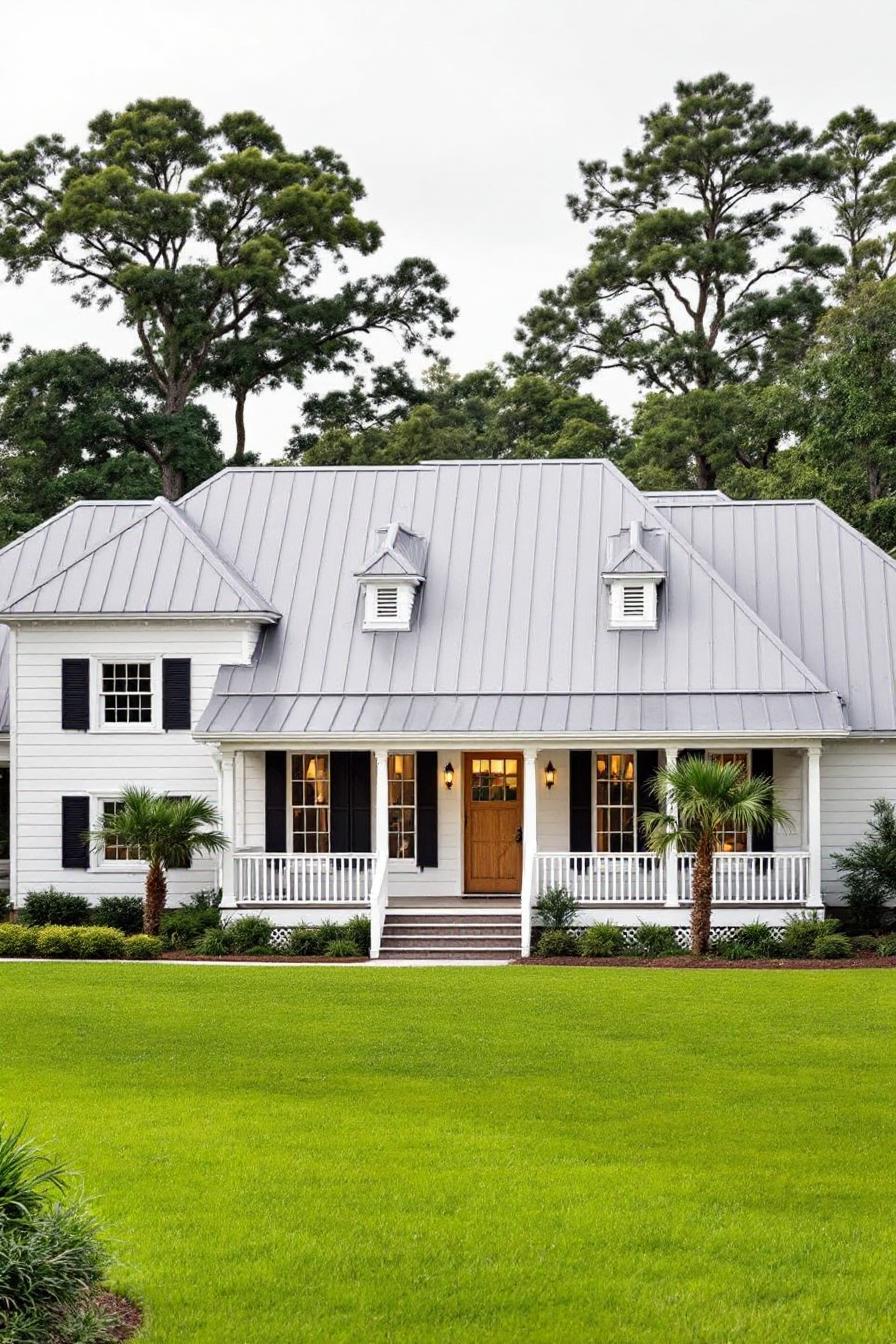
(395, 552)
(514, 605)
(156, 564)
(817, 582)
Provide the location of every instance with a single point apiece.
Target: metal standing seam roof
(513, 611)
(825, 589)
(156, 564)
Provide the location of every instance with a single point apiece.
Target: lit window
(732, 841)
(310, 804)
(495, 779)
(116, 853)
(126, 693)
(402, 806)
(615, 801)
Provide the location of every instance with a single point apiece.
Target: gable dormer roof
(636, 550)
(394, 552)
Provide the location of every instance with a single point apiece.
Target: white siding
(853, 774)
(51, 763)
(789, 770)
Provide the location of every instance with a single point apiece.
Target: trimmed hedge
(50, 906)
(66, 942)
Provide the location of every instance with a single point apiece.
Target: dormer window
(388, 606)
(633, 604)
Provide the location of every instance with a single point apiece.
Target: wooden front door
(493, 820)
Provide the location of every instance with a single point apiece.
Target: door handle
(519, 835)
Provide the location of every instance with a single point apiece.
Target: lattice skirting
(723, 934)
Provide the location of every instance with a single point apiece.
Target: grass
(317, 1154)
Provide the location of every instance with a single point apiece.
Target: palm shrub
(556, 909)
(166, 833)
(51, 1258)
(869, 870)
(705, 797)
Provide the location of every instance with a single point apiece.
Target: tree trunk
(239, 417)
(701, 897)
(172, 481)
(154, 902)
(706, 477)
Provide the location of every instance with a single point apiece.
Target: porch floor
(464, 904)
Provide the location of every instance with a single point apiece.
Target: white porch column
(670, 859)
(530, 845)
(228, 826)
(813, 819)
(381, 821)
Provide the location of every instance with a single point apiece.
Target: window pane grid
(402, 784)
(615, 802)
(731, 841)
(495, 779)
(113, 853)
(126, 692)
(311, 803)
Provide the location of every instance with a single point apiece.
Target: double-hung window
(113, 853)
(126, 693)
(402, 806)
(615, 801)
(731, 840)
(310, 793)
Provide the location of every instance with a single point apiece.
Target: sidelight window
(402, 806)
(615, 798)
(310, 785)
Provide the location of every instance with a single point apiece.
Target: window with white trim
(732, 841)
(615, 795)
(310, 803)
(126, 693)
(114, 853)
(402, 776)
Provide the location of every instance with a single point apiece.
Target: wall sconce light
(448, 775)
(550, 775)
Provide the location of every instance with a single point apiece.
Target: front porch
(489, 829)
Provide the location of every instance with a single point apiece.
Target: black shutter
(76, 694)
(763, 764)
(692, 751)
(75, 821)
(275, 802)
(581, 830)
(350, 802)
(646, 765)
(427, 809)
(176, 693)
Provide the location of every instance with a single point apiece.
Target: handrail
(303, 879)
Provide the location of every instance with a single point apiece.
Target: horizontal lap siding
(51, 762)
(788, 774)
(853, 774)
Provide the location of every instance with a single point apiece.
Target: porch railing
(752, 878)
(603, 879)
(303, 879)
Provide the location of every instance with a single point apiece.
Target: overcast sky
(465, 119)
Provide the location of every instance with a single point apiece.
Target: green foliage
(5, 905)
(655, 940)
(357, 931)
(163, 830)
(865, 942)
(886, 946)
(142, 947)
(51, 1257)
(868, 869)
(58, 940)
(753, 940)
(556, 909)
(686, 233)
(182, 928)
(213, 943)
(831, 946)
(343, 947)
(17, 940)
(709, 796)
(304, 941)
(557, 942)
(602, 940)
(101, 944)
(862, 153)
(251, 934)
(476, 415)
(802, 932)
(209, 898)
(119, 912)
(50, 906)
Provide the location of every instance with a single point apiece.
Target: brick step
(427, 922)
(451, 939)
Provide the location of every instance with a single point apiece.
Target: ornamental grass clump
(832, 947)
(801, 933)
(655, 940)
(52, 1260)
(556, 909)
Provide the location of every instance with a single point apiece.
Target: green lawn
(533, 1154)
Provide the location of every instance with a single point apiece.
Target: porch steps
(464, 935)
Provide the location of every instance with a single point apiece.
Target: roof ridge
(227, 571)
(702, 563)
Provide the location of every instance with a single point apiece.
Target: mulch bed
(867, 962)
(267, 956)
(126, 1314)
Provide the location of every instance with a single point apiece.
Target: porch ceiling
(261, 715)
